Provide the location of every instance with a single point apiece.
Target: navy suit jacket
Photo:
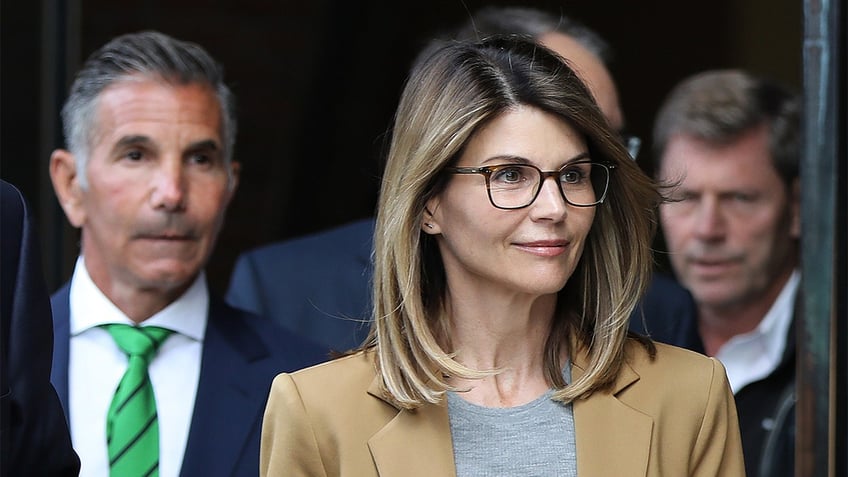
(667, 313)
(319, 286)
(242, 353)
(33, 432)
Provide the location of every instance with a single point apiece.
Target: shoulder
(670, 361)
(336, 397)
(14, 205)
(347, 374)
(338, 387)
(325, 242)
(323, 417)
(666, 309)
(674, 376)
(258, 335)
(692, 411)
(14, 213)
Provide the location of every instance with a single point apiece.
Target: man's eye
(680, 196)
(744, 198)
(134, 155)
(200, 159)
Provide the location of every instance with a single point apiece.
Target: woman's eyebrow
(507, 158)
(578, 157)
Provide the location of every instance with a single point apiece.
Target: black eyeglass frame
(487, 171)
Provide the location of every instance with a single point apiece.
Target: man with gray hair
(156, 375)
(728, 142)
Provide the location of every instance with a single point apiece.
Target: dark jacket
(34, 433)
(241, 355)
(317, 286)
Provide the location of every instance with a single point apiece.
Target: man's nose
(709, 220)
(169, 187)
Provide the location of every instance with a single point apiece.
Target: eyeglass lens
(515, 185)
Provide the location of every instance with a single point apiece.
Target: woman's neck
(506, 334)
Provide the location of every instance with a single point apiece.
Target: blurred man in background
(729, 142)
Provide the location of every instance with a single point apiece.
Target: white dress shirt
(754, 355)
(97, 365)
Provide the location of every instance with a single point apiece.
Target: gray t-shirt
(535, 439)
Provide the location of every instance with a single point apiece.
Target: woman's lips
(544, 248)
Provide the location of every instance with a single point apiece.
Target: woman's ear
(429, 223)
(65, 178)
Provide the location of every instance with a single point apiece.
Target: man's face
(158, 186)
(732, 232)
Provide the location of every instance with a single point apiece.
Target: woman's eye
(512, 175)
(571, 176)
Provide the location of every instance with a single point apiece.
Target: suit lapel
(60, 302)
(413, 444)
(231, 396)
(612, 438)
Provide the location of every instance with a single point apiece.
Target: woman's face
(529, 251)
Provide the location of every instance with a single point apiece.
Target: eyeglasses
(515, 186)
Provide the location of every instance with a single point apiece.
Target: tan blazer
(674, 417)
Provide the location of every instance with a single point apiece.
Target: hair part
(449, 95)
(142, 55)
(495, 20)
(522, 21)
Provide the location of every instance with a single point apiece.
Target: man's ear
(63, 174)
(235, 174)
(795, 209)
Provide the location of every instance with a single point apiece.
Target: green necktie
(132, 430)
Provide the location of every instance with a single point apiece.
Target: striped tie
(132, 430)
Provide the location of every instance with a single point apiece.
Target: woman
(512, 242)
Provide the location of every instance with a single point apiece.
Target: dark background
(317, 82)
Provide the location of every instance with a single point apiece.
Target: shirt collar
(90, 308)
(768, 340)
(776, 323)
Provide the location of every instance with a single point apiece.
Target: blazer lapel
(612, 438)
(415, 443)
(60, 302)
(231, 396)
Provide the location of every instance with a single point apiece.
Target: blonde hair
(447, 97)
